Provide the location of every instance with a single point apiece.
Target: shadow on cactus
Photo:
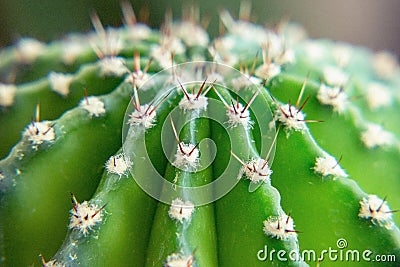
(165, 148)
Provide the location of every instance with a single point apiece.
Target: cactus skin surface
(305, 132)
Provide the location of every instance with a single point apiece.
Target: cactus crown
(228, 146)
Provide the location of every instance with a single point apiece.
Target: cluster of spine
(69, 99)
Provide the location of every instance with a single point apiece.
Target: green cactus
(257, 157)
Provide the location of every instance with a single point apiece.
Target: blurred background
(371, 23)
